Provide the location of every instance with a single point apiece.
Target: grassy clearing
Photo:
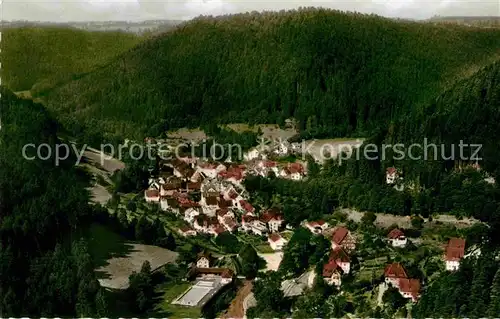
(287, 235)
(264, 249)
(166, 308)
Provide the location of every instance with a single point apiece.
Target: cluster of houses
(339, 263)
(343, 243)
(211, 198)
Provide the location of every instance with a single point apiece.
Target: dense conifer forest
(46, 268)
(338, 73)
(49, 56)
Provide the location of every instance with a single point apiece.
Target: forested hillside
(42, 272)
(338, 73)
(468, 112)
(53, 55)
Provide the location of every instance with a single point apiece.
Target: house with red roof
(266, 166)
(343, 238)
(223, 213)
(332, 273)
(294, 171)
(396, 276)
(397, 238)
(245, 206)
(229, 223)
(186, 203)
(210, 170)
(342, 259)
(233, 174)
(210, 205)
(152, 195)
(410, 289)
(276, 241)
(393, 273)
(454, 252)
(317, 226)
(252, 224)
(391, 175)
(273, 219)
(338, 263)
(216, 229)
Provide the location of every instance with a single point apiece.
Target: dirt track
(236, 309)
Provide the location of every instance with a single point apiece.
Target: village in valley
(204, 202)
(208, 198)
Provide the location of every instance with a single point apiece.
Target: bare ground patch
(273, 260)
(102, 161)
(118, 269)
(187, 134)
(99, 194)
(322, 149)
(386, 220)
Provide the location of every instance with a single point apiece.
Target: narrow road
(236, 309)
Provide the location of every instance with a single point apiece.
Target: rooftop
(395, 270)
(200, 293)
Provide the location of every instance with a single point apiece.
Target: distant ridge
(137, 27)
(476, 21)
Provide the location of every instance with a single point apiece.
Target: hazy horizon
(65, 11)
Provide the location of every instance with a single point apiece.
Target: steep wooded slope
(338, 73)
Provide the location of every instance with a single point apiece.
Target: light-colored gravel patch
(273, 260)
(386, 220)
(322, 149)
(119, 269)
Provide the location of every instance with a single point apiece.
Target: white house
(397, 238)
(332, 273)
(187, 231)
(391, 175)
(393, 273)
(190, 214)
(153, 184)
(276, 241)
(281, 147)
(209, 205)
(251, 154)
(273, 219)
(203, 261)
(252, 224)
(316, 227)
(342, 259)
